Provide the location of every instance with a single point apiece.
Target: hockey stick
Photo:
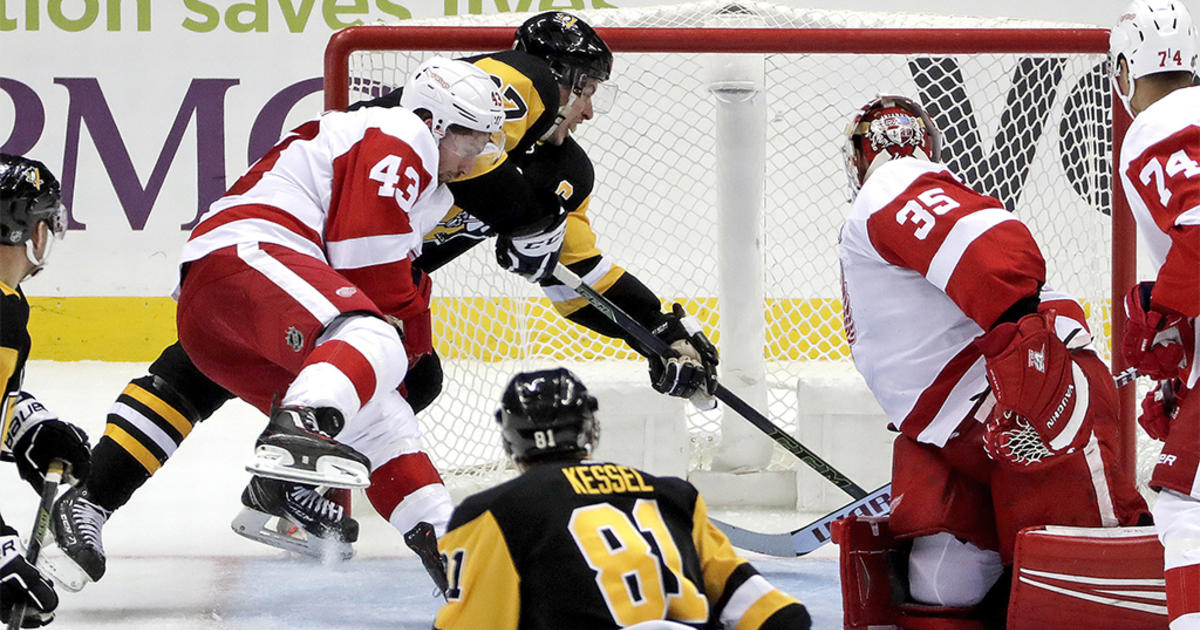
(54, 474)
(660, 347)
(811, 537)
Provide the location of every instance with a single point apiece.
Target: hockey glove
(1041, 394)
(690, 371)
(22, 582)
(1160, 407)
(37, 436)
(532, 254)
(1154, 339)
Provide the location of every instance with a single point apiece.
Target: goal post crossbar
(936, 41)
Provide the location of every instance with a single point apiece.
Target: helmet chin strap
(1126, 100)
(32, 257)
(562, 115)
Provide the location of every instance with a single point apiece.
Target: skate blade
(282, 534)
(328, 470)
(54, 562)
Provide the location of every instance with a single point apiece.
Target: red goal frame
(802, 40)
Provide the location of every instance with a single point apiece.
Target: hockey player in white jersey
(1006, 418)
(291, 285)
(1153, 55)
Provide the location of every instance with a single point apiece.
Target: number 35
(924, 210)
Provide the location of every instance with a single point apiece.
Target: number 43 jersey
(357, 190)
(591, 546)
(928, 265)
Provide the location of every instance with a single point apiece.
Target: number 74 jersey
(596, 546)
(928, 265)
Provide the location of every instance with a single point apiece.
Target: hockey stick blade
(811, 537)
(54, 475)
(660, 347)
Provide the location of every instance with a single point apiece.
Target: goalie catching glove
(1041, 394)
(532, 253)
(1154, 340)
(690, 370)
(36, 437)
(21, 582)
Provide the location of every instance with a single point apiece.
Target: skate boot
(306, 521)
(77, 522)
(423, 541)
(298, 446)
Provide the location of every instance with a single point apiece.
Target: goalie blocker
(1067, 578)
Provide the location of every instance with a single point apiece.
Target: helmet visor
(471, 144)
(58, 220)
(602, 93)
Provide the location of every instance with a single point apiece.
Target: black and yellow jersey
(592, 545)
(14, 349)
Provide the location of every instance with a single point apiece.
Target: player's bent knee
(378, 342)
(945, 571)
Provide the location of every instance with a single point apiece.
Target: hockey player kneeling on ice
(573, 543)
(32, 217)
(1153, 56)
(291, 282)
(1006, 418)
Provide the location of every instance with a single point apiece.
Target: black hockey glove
(533, 254)
(36, 437)
(22, 582)
(691, 370)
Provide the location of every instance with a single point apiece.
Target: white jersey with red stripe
(927, 266)
(1160, 172)
(357, 190)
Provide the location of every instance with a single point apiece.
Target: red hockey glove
(1041, 395)
(1160, 407)
(1153, 340)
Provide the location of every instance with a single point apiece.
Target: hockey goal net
(716, 94)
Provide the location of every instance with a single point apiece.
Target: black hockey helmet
(547, 413)
(572, 48)
(29, 194)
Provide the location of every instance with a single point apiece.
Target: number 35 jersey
(928, 265)
(591, 546)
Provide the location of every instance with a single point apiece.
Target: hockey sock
(1183, 593)
(145, 425)
(357, 358)
(408, 489)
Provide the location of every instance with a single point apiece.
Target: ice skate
(296, 518)
(423, 541)
(298, 446)
(77, 522)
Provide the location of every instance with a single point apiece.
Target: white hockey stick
(811, 537)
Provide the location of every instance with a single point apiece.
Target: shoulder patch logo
(346, 292)
(294, 339)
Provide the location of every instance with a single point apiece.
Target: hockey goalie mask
(1153, 36)
(547, 414)
(886, 128)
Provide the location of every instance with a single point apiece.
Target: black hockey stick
(54, 473)
(660, 347)
(811, 537)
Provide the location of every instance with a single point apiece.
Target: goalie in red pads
(1006, 418)
(1152, 51)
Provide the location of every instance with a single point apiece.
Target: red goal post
(655, 48)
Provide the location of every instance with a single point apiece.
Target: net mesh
(1033, 130)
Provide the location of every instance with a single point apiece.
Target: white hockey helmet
(1152, 36)
(889, 126)
(455, 93)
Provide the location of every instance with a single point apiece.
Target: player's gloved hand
(22, 582)
(37, 436)
(1154, 338)
(1160, 407)
(691, 370)
(533, 253)
(1041, 394)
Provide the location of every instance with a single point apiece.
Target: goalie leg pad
(868, 558)
(1070, 577)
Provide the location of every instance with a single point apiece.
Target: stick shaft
(54, 475)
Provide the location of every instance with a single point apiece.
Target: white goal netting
(1030, 127)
